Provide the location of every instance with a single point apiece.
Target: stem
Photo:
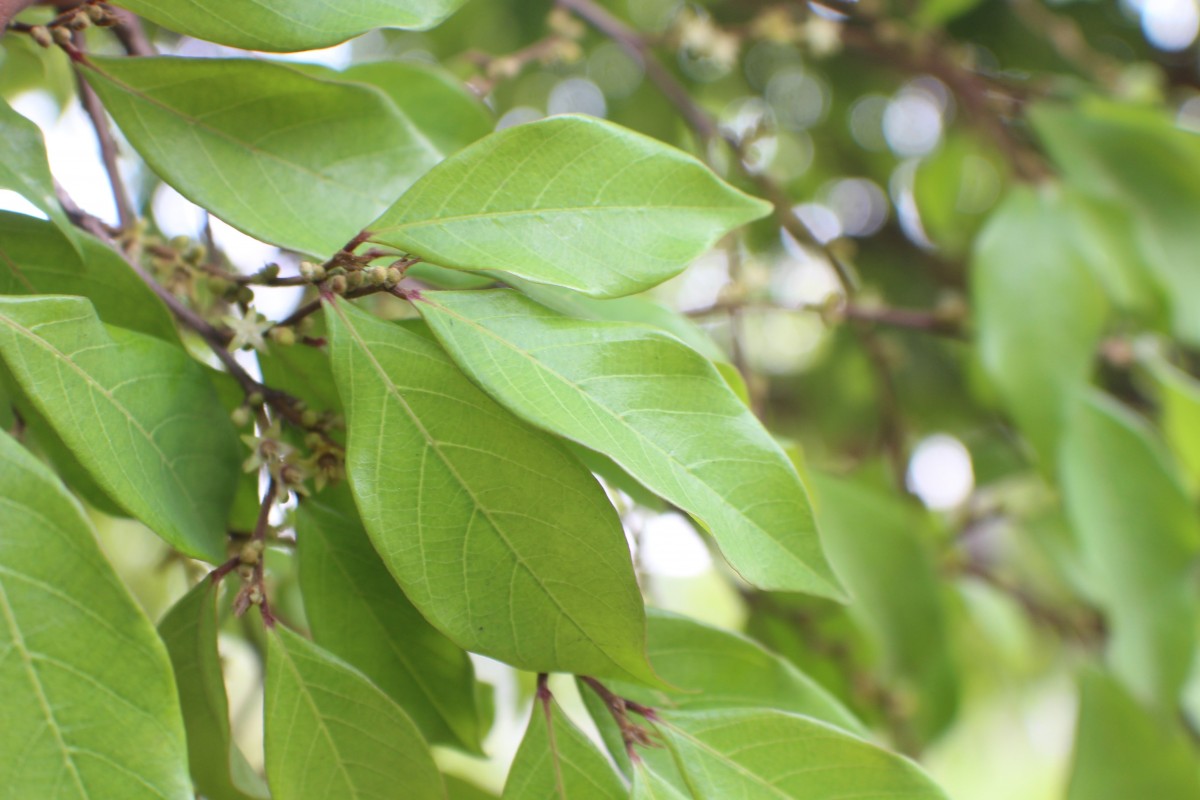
(631, 733)
(126, 212)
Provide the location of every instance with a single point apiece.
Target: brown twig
(632, 734)
(1087, 628)
(913, 319)
(126, 212)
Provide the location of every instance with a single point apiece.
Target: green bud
(282, 335)
(377, 276)
(394, 276)
(270, 272)
(337, 284)
(245, 295)
(310, 418)
(255, 399)
(242, 416)
(180, 243)
(41, 35)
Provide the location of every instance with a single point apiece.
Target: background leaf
(500, 539)
(90, 703)
(25, 170)
(140, 415)
(571, 201)
(294, 160)
(655, 407)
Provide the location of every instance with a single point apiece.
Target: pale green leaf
(1138, 534)
(1039, 312)
(25, 170)
(557, 762)
(439, 105)
(1123, 752)
(1179, 404)
(760, 753)
(330, 732)
(880, 545)
(34, 259)
(654, 406)
(289, 25)
(189, 631)
(571, 201)
(649, 785)
(357, 612)
(140, 415)
(496, 534)
(90, 709)
(291, 159)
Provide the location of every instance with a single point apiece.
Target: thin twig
(126, 212)
(931, 322)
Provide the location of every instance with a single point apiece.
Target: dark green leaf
(557, 762)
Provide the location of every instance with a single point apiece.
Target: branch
(126, 212)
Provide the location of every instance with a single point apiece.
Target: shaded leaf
(1179, 401)
(189, 631)
(331, 733)
(571, 201)
(289, 25)
(557, 762)
(25, 170)
(458, 789)
(496, 534)
(655, 407)
(291, 159)
(358, 613)
(90, 709)
(139, 414)
(1138, 534)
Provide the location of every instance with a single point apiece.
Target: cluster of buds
(699, 37)
(347, 276)
(59, 30)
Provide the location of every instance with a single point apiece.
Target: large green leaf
(25, 170)
(445, 111)
(658, 409)
(357, 612)
(90, 709)
(649, 785)
(291, 159)
(763, 753)
(497, 535)
(557, 762)
(880, 546)
(140, 415)
(34, 259)
(1138, 533)
(330, 732)
(572, 201)
(289, 25)
(1146, 165)
(1123, 752)
(1039, 311)
(189, 631)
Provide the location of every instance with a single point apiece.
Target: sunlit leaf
(571, 201)
(497, 535)
(25, 170)
(331, 733)
(1180, 416)
(90, 709)
(291, 159)
(649, 785)
(655, 407)
(140, 415)
(557, 762)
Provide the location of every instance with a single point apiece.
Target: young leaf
(189, 631)
(331, 733)
(1122, 751)
(358, 613)
(289, 25)
(25, 170)
(766, 753)
(1138, 534)
(497, 535)
(34, 259)
(90, 708)
(649, 785)
(655, 407)
(557, 762)
(1040, 312)
(571, 201)
(139, 414)
(291, 159)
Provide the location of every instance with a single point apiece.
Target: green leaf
(649, 785)
(496, 534)
(443, 109)
(90, 709)
(189, 631)
(654, 406)
(570, 201)
(1145, 164)
(34, 259)
(331, 733)
(25, 170)
(1138, 534)
(358, 613)
(459, 789)
(291, 159)
(880, 545)
(557, 762)
(1179, 407)
(289, 25)
(772, 754)
(140, 415)
(1039, 312)
(1123, 752)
